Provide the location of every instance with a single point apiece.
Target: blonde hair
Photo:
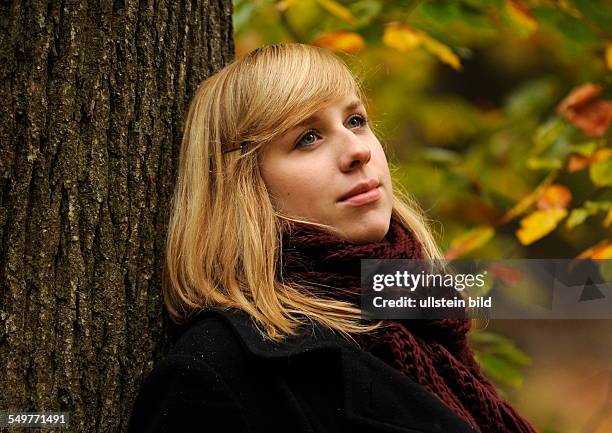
(224, 236)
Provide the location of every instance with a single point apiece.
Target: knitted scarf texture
(432, 353)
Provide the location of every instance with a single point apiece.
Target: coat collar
(376, 396)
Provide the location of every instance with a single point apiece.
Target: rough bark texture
(92, 101)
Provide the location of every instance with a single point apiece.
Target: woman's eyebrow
(314, 118)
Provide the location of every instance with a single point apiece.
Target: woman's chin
(366, 232)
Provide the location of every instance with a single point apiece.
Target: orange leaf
(599, 251)
(584, 109)
(609, 55)
(469, 241)
(578, 162)
(554, 197)
(538, 224)
(341, 40)
(602, 154)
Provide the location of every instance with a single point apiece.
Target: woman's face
(332, 169)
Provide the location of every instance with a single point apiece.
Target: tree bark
(92, 99)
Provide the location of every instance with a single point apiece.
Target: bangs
(286, 84)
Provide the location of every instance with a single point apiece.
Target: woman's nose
(356, 152)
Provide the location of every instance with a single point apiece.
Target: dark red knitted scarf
(433, 353)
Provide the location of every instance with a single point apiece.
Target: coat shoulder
(212, 341)
(189, 384)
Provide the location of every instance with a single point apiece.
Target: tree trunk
(92, 101)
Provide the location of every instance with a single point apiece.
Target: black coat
(222, 376)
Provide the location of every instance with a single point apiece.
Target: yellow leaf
(527, 201)
(538, 224)
(521, 17)
(441, 51)
(608, 220)
(342, 40)
(283, 5)
(404, 38)
(469, 241)
(401, 37)
(338, 10)
(609, 55)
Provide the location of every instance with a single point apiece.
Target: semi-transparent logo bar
(494, 289)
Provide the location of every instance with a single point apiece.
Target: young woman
(282, 189)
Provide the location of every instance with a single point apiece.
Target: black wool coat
(222, 376)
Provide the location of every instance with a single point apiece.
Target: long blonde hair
(224, 236)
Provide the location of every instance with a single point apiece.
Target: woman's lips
(364, 198)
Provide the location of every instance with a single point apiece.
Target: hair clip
(241, 147)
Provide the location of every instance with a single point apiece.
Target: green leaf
(531, 98)
(601, 172)
(579, 215)
(575, 30)
(484, 4)
(491, 343)
(605, 269)
(587, 148)
(548, 133)
(442, 13)
(365, 11)
(243, 12)
(595, 12)
(544, 163)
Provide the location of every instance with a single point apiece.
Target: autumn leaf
(338, 10)
(600, 251)
(583, 108)
(608, 220)
(608, 55)
(521, 18)
(578, 162)
(527, 201)
(554, 197)
(404, 38)
(283, 5)
(469, 241)
(401, 37)
(538, 224)
(444, 53)
(341, 40)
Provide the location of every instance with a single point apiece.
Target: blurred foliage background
(496, 117)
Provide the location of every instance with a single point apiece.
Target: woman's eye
(357, 120)
(309, 138)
